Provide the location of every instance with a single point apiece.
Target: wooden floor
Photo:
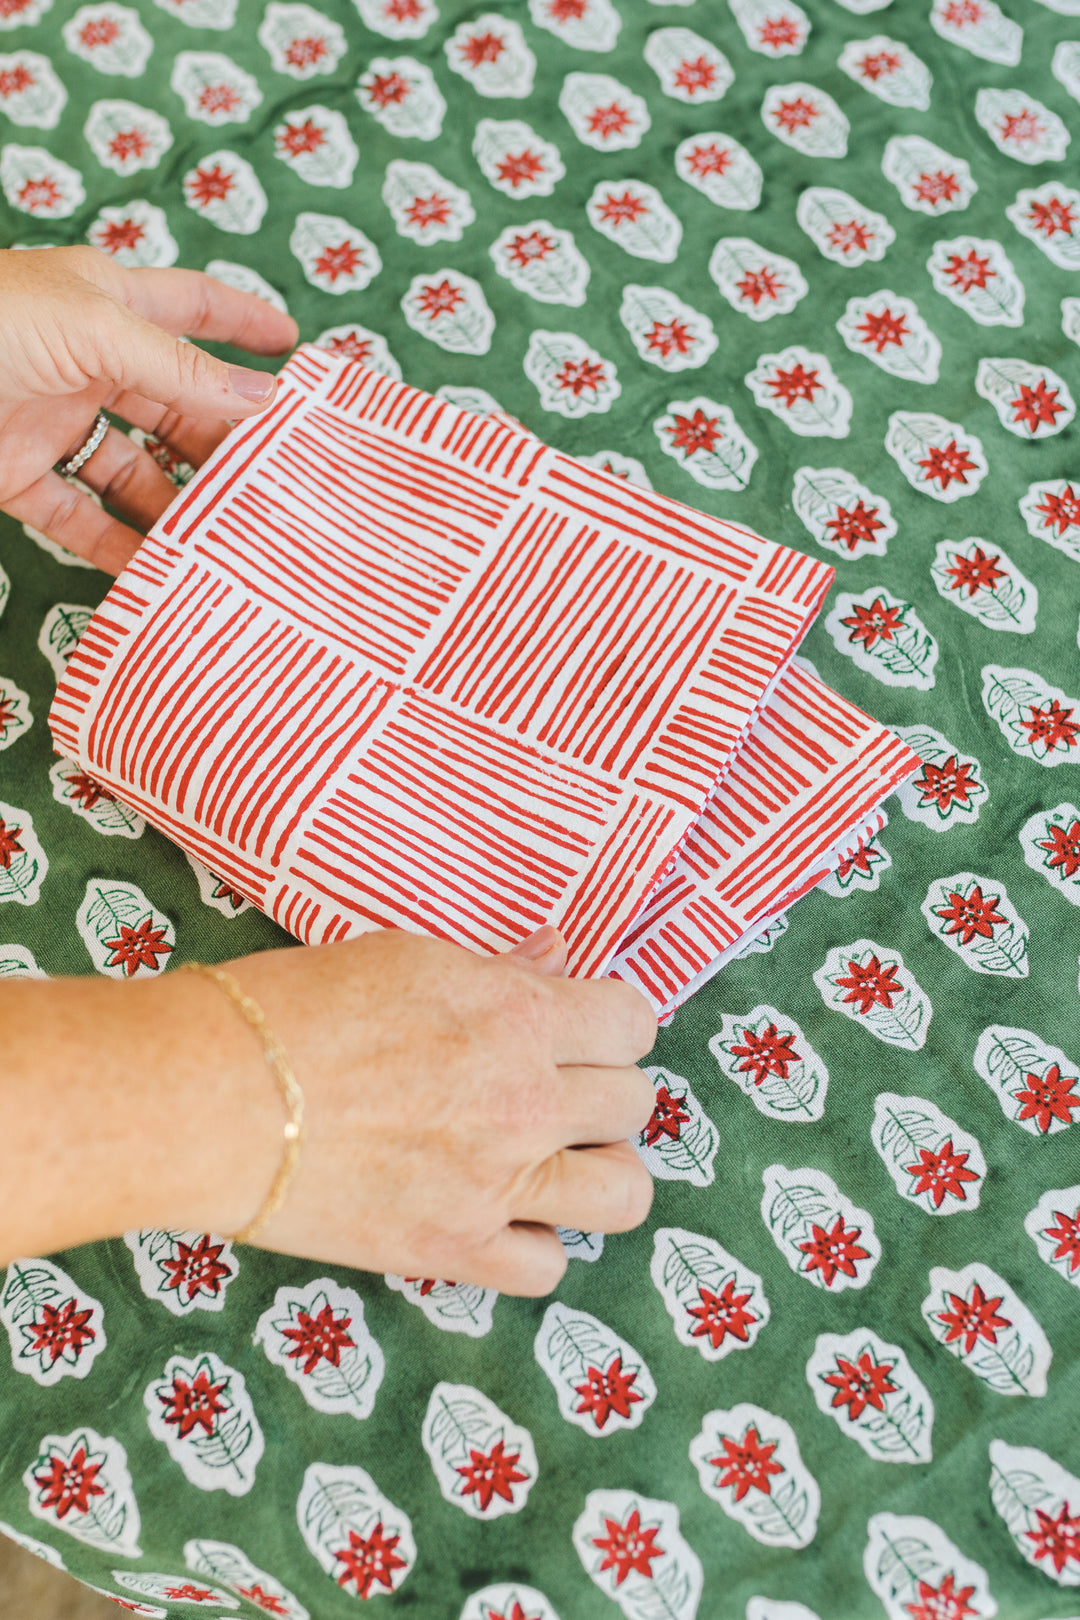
(31, 1590)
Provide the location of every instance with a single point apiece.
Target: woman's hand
(79, 334)
(459, 1108)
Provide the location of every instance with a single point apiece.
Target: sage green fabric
(1028, 988)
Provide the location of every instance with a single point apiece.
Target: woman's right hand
(459, 1107)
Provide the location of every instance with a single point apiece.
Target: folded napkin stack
(389, 664)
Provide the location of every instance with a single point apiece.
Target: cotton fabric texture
(904, 178)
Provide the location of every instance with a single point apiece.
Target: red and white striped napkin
(388, 664)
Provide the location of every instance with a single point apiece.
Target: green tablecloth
(890, 1266)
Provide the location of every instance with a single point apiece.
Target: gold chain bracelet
(287, 1084)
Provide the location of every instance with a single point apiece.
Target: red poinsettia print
(668, 1117)
(118, 236)
(877, 65)
(196, 1269)
(1052, 216)
(850, 236)
(1048, 1097)
(834, 1251)
(13, 81)
(1066, 1234)
(882, 330)
(217, 99)
(767, 1053)
(758, 285)
(942, 1602)
(488, 1474)
(439, 298)
(1062, 511)
(606, 122)
(606, 1392)
(9, 844)
(794, 383)
(95, 33)
(622, 209)
(307, 51)
(857, 524)
(708, 158)
(34, 195)
(210, 185)
(520, 168)
(971, 915)
(946, 464)
(480, 48)
(296, 140)
(1021, 127)
(402, 10)
(859, 862)
(693, 433)
(9, 711)
(532, 248)
(319, 1338)
(776, 32)
(84, 790)
(941, 1173)
(947, 784)
(938, 187)
(747, 1464)
(974, 573)
(579, 377)
(873, 984)
(223, 890)
(629, 1546)
(62, 1330)
(350, 347)
(959, 12)
(878, 622)
(973, 1319)
(369, 1561)
(194, 1405)
(669, 337)
(129, 143)
(68, 1486)
(563, 11)
(1057, 1538)
(138, 947)
(859, 1384)
(262, 1599)
(1037, 407)
(796, 113)
(340, 259)
(967, 271)
(720, 1314)
(694, 74)
(427, 1284)
(1051, 725)
(188, 1592)
(1063, 848)
(387, 89)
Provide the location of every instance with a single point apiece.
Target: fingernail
(256, 386)
(540, 944)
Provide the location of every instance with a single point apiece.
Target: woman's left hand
(79, 334)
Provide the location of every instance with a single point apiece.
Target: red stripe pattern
(389, 664)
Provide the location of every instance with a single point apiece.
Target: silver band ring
(91, 443)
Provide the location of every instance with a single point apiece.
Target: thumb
(544, 951)
(138, 357)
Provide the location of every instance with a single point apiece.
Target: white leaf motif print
(981, 28)
(748, 1461)
(823, 1236)
(356, 1534)
(224, 1562)
(665, 331)
(449, 309)
(769, 1058)
(79, 1483)
(706, 440)
(632, 1549)
(483, 1462)
(635, 216)
(973, 916)
(949, 790)
(690, 69)
(1037, 720)
(601, 1382)
(401, 94)
(491, 53)
(542, 261)
(937, 457)
(885, 637)
(1021, 127)
(977, 1317)
(122, 930)
(929, 180)
(426, 207)
(910, 1560)
(753, 280)
(888, 330)
(805, 117)
(571, 378)
(889, 69)
(680, 1141)
(1054, 1228)
(1049, 216)
(1031, 401)
(842, 229)
(977, 276)
(1050, 840)
(454, 1307)
(201, 1411)
(871, 1391)
(716, 1304)
(56, 1330)
(720, 168)
(871, 985)
(843, 516)
(318, 1336)
(983, 581)
(933, 1163)
(1038, 1501)
(802, 389)
(1037, 1086)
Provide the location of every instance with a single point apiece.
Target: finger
(191, 438)
(128, 478)
(599, 1021)
(544, 951)
(189, 303)
(594, 1189)
(522, 1259)
(67, 515)
(601, 1105)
